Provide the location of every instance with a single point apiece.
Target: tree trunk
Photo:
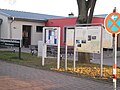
(82, 12)
(85, 14)
(91, 7)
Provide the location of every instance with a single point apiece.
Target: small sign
(51, 35)
(70, 36)
(10, 42)
(112, 23)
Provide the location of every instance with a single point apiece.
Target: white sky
(57, 7)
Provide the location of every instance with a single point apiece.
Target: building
(23, 25)
(28, 26)
(69, 21)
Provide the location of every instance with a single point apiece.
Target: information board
(10, 42)
(51, 35)
(88, 39)
(70, 36)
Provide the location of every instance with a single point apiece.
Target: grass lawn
(89, 70)
(26, 59)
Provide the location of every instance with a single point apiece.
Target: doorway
(26, 35)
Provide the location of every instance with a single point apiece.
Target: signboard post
(51, 36)
(85, 38)
(66, 47)
(69, 42)
(112, 25)
(93, 34)
(89, 39)
(74, 62)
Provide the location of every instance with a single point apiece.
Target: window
(64, 34)
(39, 29)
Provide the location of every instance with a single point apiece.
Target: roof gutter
(12, 19)
(30, 20)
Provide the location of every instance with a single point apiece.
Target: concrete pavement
(47, 80)
(10, 83)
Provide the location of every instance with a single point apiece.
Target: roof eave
(30, 20)
(7, 15)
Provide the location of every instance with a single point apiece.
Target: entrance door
(26, 35)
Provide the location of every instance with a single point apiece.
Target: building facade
(69, 22)
(25, 26)
(28, 26)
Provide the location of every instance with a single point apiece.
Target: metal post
(43, 55)
(74, 62)
(101, 61)
(66, 57)
(43, 47)
(115, 59)
(58, 56)
(19, 52)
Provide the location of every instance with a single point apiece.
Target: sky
(57, 7)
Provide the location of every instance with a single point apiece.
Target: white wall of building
(4, 28)
(17, 31)
(40, 48)
(36, 36)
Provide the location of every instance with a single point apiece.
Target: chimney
(114, 10)
(71, 14)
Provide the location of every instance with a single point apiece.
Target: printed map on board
(88, 39)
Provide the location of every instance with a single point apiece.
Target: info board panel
(51, 35)
(88, 39)
(10, 42)
(70, 36)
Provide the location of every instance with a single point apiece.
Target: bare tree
(85, 14)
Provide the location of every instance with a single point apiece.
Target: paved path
(10, 83)
(47, 80)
